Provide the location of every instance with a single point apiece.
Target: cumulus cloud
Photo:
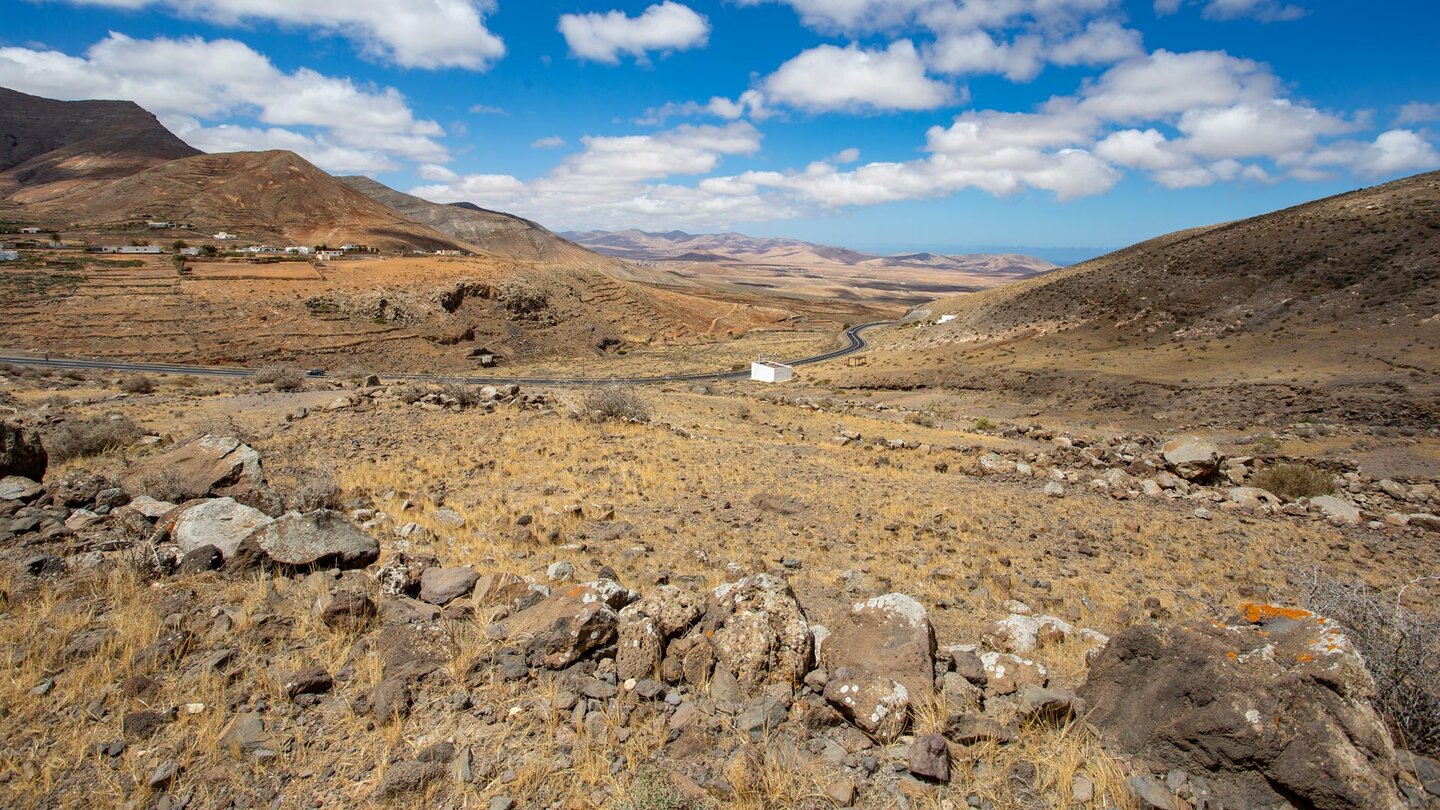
(616, 181)
(828, 77)
(1263, 10)
(357, 128)
(415, 33)
(1392, 152)
(604, 37)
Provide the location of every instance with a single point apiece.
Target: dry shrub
(1400, 647)
(652, 790)
(1293, 481)
(314, 489)
(616, 402)
(81, 438)
(467, 395)
(281, 379)
(139, 384)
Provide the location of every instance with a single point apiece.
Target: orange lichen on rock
(1256, 613)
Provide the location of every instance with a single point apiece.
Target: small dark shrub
(616, 402)
(1293, 481)
(139, 384)
(652, 790)
(80, 438)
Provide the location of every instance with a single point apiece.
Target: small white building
(224, 235)
(328, 255)
(767, 371)
(303, 250)
(160, 224)
(189, 251)
(30, 230)
(147, 249)
(9, 256)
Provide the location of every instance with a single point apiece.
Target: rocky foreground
(197, 638)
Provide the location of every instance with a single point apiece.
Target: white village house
(30, 229)
(328, 255)
(9, 255)
(224, 235)
(767, 371)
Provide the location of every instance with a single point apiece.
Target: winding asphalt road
(856, 343)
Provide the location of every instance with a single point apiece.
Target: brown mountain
(1352, 258)
(48, 148)
(1327, 310)
(267, 196)
(494, 232)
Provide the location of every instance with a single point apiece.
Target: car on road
(315, 372)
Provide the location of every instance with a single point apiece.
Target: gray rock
(570, 622)
(1151, 793)
(758, 632)
(441, 586)
(1192, 459)
(222, 523)
(19, 488)
(318, 539)
(1337, 509)
(760, 717)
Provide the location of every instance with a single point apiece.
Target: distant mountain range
(679, 246)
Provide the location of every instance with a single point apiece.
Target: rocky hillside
(50, 147)
(1362, 257)
(263, 195)
(493, 232)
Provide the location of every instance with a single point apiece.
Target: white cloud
(1275, 128)
(617, 181)
(357, 127)
(1166, 83)
(604, 37)
(852, 78)
(415, 33)
(1418, 113)
(552, 142)
(1263, 10)
(437, 173)
(1149, 150)
(845, 156)
(1393, 152)
(978, 52)
(486, 109)
(317, 149)
(1103, 42)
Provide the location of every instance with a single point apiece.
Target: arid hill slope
(263, 195)
(49, 147)
(1364, 256)
(1327, 310)
(495, 232)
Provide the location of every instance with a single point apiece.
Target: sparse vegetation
(1294, 481)
(652, 790)
(137, 384)
(984, 425)
(281, 379)
(1400, 647)
(81, 438)
(615, 401)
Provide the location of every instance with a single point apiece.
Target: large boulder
(1273, 710)
(889, 636)
(209, 465)
(569, 623)
(441, 586)
(320, 539)
(221, 523)
(21, 452)
(758, 632)
(646, 625)
(878, 705)
(1192, 459)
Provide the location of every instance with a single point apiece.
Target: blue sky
(886, 125)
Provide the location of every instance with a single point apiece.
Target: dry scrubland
(724, 481)
(403, 315)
